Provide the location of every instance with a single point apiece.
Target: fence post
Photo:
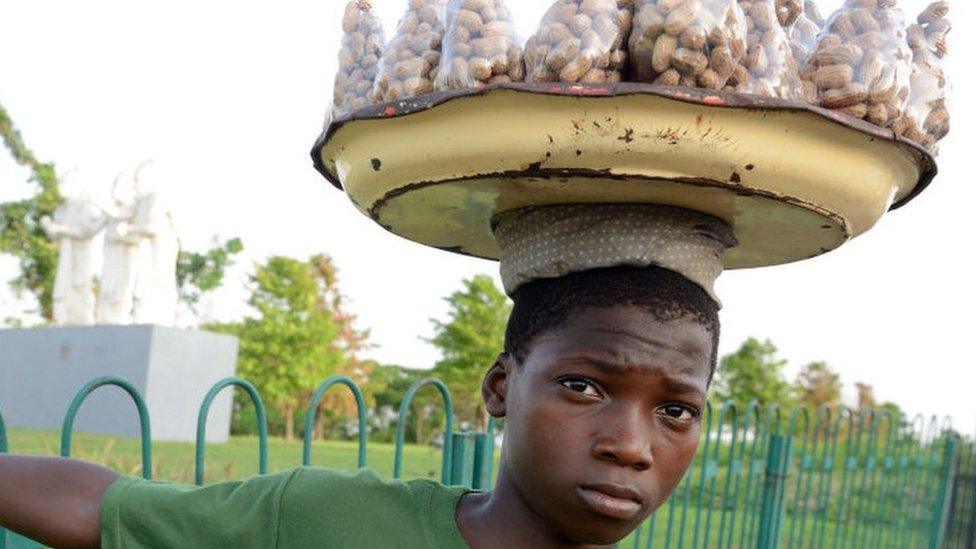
(940, 517)
(462, 459)
(777, 470)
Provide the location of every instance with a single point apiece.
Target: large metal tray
(794, 181)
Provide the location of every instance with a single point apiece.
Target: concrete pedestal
(41, 370)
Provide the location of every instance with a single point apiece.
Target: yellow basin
(793, 181)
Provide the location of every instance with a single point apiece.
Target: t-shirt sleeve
(142, 514)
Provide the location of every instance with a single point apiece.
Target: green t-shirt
(305, 507)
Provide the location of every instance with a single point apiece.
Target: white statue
(76, 223)
(118, 280)
(156, 291)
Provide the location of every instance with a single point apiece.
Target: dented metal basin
(794, 181)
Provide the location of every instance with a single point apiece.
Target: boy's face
(603, 418)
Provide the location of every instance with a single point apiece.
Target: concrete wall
(42, 369)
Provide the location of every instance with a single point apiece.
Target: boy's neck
(501, 519)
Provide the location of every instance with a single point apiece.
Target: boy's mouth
(612, 500)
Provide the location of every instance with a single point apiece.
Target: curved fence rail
(448, 427)
(761, 478)
(145, 433)
(205, 412)
(363, 430)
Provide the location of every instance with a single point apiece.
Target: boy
(602, 382)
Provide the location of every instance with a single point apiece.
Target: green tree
(819, 385)
(350, 343)
(470, 341)
(386, 388)
(21, 234)
(199, 273)
(291, 346)
(753, 372)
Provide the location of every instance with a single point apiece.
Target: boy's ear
(494, 386)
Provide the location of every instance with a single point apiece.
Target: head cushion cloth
(554, 241)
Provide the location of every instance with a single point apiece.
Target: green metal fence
(762, 477)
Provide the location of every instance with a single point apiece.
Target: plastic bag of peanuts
(862, 63)
(926, 118)
(580, 41)
(411, 59)
(696, 43)
(773, 71)
(481, 46)
(362, 45)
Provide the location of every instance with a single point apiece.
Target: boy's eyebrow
(614, 367)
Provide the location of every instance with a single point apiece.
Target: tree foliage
(291, 346)
(350, 343)
(818, 385)
(21, 234)
(199, 273)
(865, 396)
(470, 341)
(753, 372)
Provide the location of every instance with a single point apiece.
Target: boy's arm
(52, 500)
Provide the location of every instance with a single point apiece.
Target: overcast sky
(228, 97)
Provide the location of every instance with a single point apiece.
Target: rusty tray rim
(708, 98)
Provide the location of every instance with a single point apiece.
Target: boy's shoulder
(353, 505)
(362, 487)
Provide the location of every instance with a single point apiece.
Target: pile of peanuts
(481, 46)
(362, 44)
(580, 41)
(698, 43)
(769, 59)
(926, 119)
(410, 61)
(862, 62)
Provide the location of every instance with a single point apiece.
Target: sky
(228, 97)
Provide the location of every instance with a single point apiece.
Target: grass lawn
(236, 459)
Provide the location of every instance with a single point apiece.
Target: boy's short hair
(545, 304)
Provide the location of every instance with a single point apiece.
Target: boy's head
(603, 383)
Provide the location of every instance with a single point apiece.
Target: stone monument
(74, 227)
(121, 253)
(41, 369)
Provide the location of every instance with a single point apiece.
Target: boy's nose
(625, 442)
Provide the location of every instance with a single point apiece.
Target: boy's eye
(678, 412)
(579, 385)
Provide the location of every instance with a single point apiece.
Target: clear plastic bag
(696, 43)
(773, 71)
(580, 41)
(803, 40)
(862, 64)
(411, 59)
(926, 118)
(812, 12)
(481, 46)
(362, 45)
